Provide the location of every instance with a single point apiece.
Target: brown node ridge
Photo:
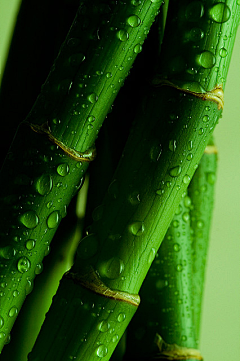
(215, 95)
(89, 279)
(87, 156)
(174, 352)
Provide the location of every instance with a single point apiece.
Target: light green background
(220, 336)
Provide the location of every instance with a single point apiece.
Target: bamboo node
(89, 279)
(216, 94)
(211, 149)
(87, 156)
(174, 352)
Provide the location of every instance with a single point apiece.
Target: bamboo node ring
(90, 279)
(88, 156)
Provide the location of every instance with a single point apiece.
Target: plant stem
(38, 178)
(172, 128)
(201, 192)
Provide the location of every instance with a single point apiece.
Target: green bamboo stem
(167, 301)
(163, 150)
(38, 178)
(201, 192)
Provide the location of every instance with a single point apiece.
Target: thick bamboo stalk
(173, 125)
(53, 146)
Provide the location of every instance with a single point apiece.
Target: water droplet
(206, 118)
(29, 219)
(23, 264)
(7, 252)
(136, 228)
(16, 293)
(113, 189)
(108, 75)
(211, 177)
(189, 156)
(200, 131)
(87, 247)
(97, 213)
(93, 98)
(136, 2)
(186, 179)
(172, 145)
(175, 224)
(179, 268)
(104, 326)
(220, 13)
(134, 198)
(133, 21)
(185, 217)
(175, 171)
(91, 119)
(112, 268)
(122, 35)
(2, 335)
(155, 152)
(102, 351)
(38, 268)
(63, 169)
(223, 52)
(137, 48)
(115, 338)
(13, 311)
(121, 317)
(53, 219)
(184, 338)
(200, 224)
(30, 244)
(1, 322)
(29, 286)
(206, 59)
(194, 11)
(49, 204)
(176, 247)
(190, 145)
(196, 34)
(43, 184)
(151, 255)
(76, 59)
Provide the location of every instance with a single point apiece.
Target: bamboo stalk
(171, 131)
(201, 193)
(53, 146)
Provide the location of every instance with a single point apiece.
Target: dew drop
(176, 247)
(76, 59)
(93, 98)
(186, 179)
(112, 268)
(151, 255)
(2, 335)
(206, 118)
(91, 119)
(211, 177)
(102, 351)
(113, 189)
(53, 219)
(179, 268)
(122, 35)
(185, 217)
(104, 326)
(196, 34)
(87, 247)
(206, 59)
(63, 169)
(194, 11)
(115, 338)
(137, 48)
(1, 322)
(189, 156)
(97, 213)
(7, 252)
(136, 2)
(220, 13)
(155, 152)
(23, 264)
(172, 145)
(121, 317)
(13, 311)
(15, 293)
(223, 52)
(38, 268)
(136, 228)
(134, 198)
(175, 171)
(29, 219)
(175, 224)
(108, 75)
(43, 184)
(133, 21)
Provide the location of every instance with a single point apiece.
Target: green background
(220, 336)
